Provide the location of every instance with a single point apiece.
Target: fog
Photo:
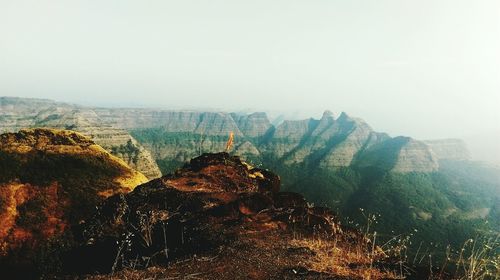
(427, 68)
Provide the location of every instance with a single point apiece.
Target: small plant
(479, 259)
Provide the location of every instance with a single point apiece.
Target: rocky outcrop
(449, 149)
(49, 181)
(327, 143)
(124, 146)
(220, 209)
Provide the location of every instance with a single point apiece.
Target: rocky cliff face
(175, 137)
(353, 136)
(415, 156)
(206, 123)
(327, 143)
(254, 125)
(287, 137)
(49, 181)
(449, 149)
(400, 154)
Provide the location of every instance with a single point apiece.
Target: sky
(426, 68)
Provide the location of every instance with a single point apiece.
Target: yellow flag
(229, 143)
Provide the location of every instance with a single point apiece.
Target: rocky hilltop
(218, 217)
(19, 113)
(115, 140)
(49, 181)
(69, 210)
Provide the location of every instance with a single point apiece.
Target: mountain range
(431, 186)
(328, 142)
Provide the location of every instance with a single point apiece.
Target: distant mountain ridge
(328, 142)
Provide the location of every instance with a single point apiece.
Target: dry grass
(339, 255)
(340, 258)
(479, 259)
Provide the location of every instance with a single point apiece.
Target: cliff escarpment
(325, 143)
(153, 139)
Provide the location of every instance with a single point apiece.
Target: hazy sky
(424, 68)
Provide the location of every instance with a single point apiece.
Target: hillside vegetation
(51, 180)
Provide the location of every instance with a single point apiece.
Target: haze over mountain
(176, 136)
(428, 69)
